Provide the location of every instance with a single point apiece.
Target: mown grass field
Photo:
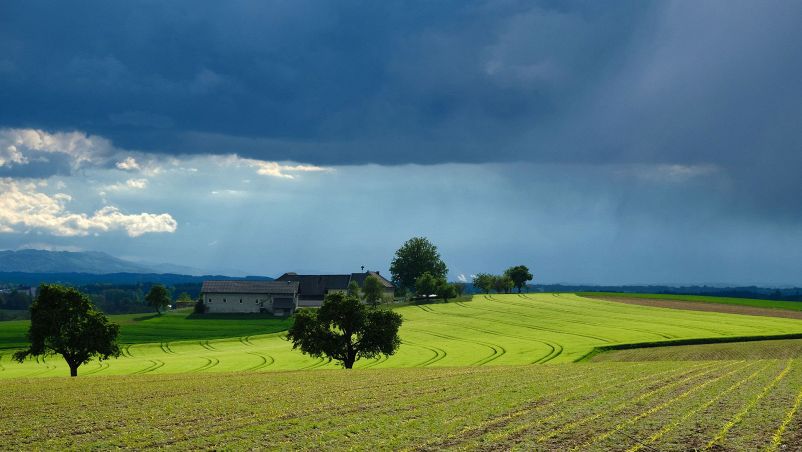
(488, 331)
(756, 303)
(623, 406)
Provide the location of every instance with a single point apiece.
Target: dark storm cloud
(336, 83)
(695, 84)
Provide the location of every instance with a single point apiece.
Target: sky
(620, 142)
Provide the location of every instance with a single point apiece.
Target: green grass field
(772, 304)
(704, 405)
(463, 379)
(490, 330)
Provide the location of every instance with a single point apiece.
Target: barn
(274, 297)
(313, 289)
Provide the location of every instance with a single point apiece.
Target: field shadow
(145, 317)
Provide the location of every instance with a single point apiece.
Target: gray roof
(360, 279)
(317, 285)
(257, 287)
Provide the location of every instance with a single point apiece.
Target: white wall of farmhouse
(237, 303)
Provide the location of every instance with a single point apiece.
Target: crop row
(626, 406)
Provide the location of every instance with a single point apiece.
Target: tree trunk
(73, 370)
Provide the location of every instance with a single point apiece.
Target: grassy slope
(724, 405)
(172, 326)
(494, 330)
(774, 304)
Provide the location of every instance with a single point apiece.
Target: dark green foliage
(484, 282)
(503, 284)
(416, 257)
(353, 289)
(372, 290)
(446, 291)
(345, 330)
(459, 288)
(427, 284)
(519, 275)
(158, 297)
(65, 322)
(184, 298)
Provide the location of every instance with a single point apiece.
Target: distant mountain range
(92, 262)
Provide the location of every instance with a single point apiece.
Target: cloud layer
(23, 208)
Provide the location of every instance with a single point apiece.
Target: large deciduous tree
(65, 322)
(372, 290)
(519, 275)
(484, 282)
(427, 284)
(158, 298)
(415, 257)
(503, 284)
(345, 330)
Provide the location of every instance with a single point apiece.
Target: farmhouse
(313, 288)
(275, 297)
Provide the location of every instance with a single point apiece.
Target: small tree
(184, 298)
(446, 291)
(426, 285)
(503, 284)
(345, 330)
(415, 257)
(65, 322)
(353, 289)
(372, 290)
(483, 282)
(158, 298)
(459, 288)
(199, 308)
(519, 275)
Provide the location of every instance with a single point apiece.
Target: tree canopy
(64, 321)
(503, 284)
(373, 290)
(158, 297)
(415, 257)
(484, 282)
(427, 284)
(519, 275)
(345, 330)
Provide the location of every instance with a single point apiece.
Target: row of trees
(514, 277)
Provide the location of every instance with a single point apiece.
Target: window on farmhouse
(224, 300)
(240, 300)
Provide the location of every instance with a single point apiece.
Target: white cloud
(23, 208)
(461, 277)
(274, 169)
(128, 164)
(22, 146)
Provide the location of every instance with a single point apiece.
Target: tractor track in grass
(246, 340)
(379, 360)
(102, 365)
(496, 351)
(267, 360)
(127, 351)
(207, 346)
(439, 353)
(320, 362)
(603, 306)
(502, 420)
(601, 324)
(538, 328)
(688, 414)
(210, 363)
(165, 346)
(154, 364)
(656, 408)
(748, 407)
(555, 349)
